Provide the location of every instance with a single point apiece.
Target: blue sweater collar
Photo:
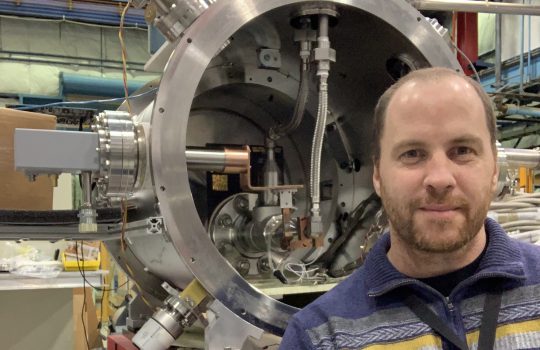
(502, 257)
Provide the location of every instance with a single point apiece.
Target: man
(445, 276)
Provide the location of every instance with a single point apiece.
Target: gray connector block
(54, 151)
(324, 54)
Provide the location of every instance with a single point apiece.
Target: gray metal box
(54, 151)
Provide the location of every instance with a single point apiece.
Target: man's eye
(413, 153)
(462, 152)
(411, 156)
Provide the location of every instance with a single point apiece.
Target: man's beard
(464, 226)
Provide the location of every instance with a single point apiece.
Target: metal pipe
(527, 158)
(528, 111)
(229, 161)
(498, 51)
(86, 187)
(271, 174)
(324, 51)
(301, 100)
(477, 6)
(529, 77)
(521, 51)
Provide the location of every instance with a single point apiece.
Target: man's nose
(439, 174)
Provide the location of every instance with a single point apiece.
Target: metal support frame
(477, 6)
(467, 39)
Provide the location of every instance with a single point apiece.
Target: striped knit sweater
(366, 311)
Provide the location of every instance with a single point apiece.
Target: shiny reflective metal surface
(477, 6)
(381, 30)
(119, 155)
(528, 158)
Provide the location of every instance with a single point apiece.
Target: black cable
(362, 212)
(88, 282)
(84, 291)
(100, 323)
(85, 281)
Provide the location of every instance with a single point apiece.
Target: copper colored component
(245, 182)
(303, 239)
(236, 161)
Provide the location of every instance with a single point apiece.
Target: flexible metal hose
(316, 147)
(299, 108)
(322, 112)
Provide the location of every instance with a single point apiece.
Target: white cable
(52, 20)
(531, 236)
(519, 215)
(506, 225)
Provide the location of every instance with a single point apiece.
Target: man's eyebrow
(407, 144)
(467, 139)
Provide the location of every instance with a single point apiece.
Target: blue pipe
(100, 14)
(528, 111)
(94, 86)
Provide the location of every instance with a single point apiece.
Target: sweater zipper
(449, 304)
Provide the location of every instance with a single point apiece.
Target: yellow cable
(124, 54)
(126, 93)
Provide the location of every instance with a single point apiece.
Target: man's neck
(419, 264)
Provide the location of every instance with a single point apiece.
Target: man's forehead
(433, 93)
(419, 106)
(414, 88)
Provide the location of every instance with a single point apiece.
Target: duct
(75, 84)
(477, 6)
(526, 111)
(522, 158)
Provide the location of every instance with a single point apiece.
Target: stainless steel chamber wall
(234, 75)
(218, 166)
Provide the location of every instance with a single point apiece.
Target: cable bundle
(519, 215)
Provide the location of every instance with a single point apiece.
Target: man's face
(437, 171)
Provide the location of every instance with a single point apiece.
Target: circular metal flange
(118, 151)
(198, 46)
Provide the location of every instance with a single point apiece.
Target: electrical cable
(35, 19)
(477, 76)
(84, 307)
(116, 99)
(519, 215)
(127, 100)
(124, 54)
(452, 41)
(83, 275)
(85, 282)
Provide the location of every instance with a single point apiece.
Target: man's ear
(376, 178)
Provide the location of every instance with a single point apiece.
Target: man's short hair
(427, 74)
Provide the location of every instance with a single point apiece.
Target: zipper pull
(449, 304)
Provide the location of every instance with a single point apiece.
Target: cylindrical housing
(152, 336)
(229, 161)
(477, 6)
(527, 158)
